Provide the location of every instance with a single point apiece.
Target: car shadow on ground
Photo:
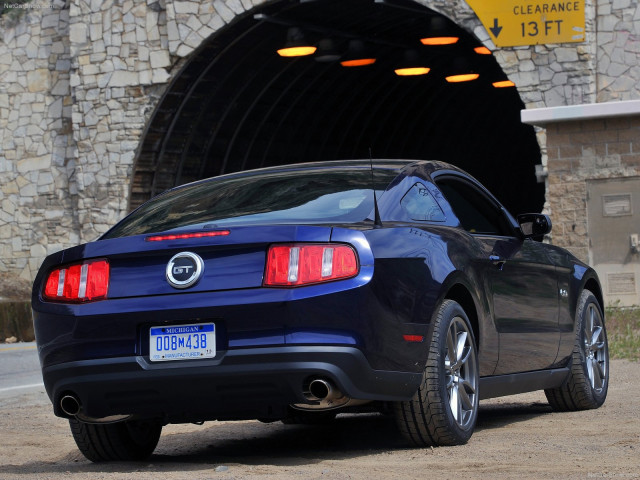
(255, 443)
(502, 414)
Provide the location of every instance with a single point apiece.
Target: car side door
(519, 278)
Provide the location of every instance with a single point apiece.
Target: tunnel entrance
(237, 104)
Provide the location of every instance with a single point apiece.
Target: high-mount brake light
(81, 282)
(305, 264)
(183, 236)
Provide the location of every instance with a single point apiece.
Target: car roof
(394, 165)
(388, 164)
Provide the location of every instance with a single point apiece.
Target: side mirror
(534, 224)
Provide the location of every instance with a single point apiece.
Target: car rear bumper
(237, 384)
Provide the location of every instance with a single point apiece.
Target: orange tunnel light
(358, 62)
(297, 51)
(466, 77)
(482, 51)
(504, 84)
(439, 40)
(412, 71)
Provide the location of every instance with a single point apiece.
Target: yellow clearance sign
(511, 23)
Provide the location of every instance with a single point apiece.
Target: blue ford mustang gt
(297, 292)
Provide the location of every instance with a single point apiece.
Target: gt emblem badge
(184, 270)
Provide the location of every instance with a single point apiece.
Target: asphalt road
(19, 370)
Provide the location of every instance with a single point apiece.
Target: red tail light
(82, 282)
(304, 264)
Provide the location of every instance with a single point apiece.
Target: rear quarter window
(420, 205)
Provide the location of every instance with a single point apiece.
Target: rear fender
(463, 290)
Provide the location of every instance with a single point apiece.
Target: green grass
(623, 331)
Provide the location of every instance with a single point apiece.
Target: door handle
(498, 261)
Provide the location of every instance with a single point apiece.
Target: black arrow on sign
(495, 29)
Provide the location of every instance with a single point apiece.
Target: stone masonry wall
(36, 147)
(123, 55)
(579, 151)
(80, 81)
(618, 67)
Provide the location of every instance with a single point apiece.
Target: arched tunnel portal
(236, 104)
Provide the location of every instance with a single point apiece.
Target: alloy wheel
(595, 349)
(461, 372)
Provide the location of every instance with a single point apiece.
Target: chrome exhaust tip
(70, 405)
(321, 389)
(321, 394)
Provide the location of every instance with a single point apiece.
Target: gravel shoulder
(516, 436)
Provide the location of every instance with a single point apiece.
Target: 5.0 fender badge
(184, 270)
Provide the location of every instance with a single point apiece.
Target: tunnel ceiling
(238, 105)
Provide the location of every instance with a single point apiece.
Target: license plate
(182, 342)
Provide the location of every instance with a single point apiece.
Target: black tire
(123, 441)
(588, 383)
(303, 417)
(428, 419)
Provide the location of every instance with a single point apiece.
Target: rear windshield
(284, 197)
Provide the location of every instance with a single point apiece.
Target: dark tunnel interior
(238, 105)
